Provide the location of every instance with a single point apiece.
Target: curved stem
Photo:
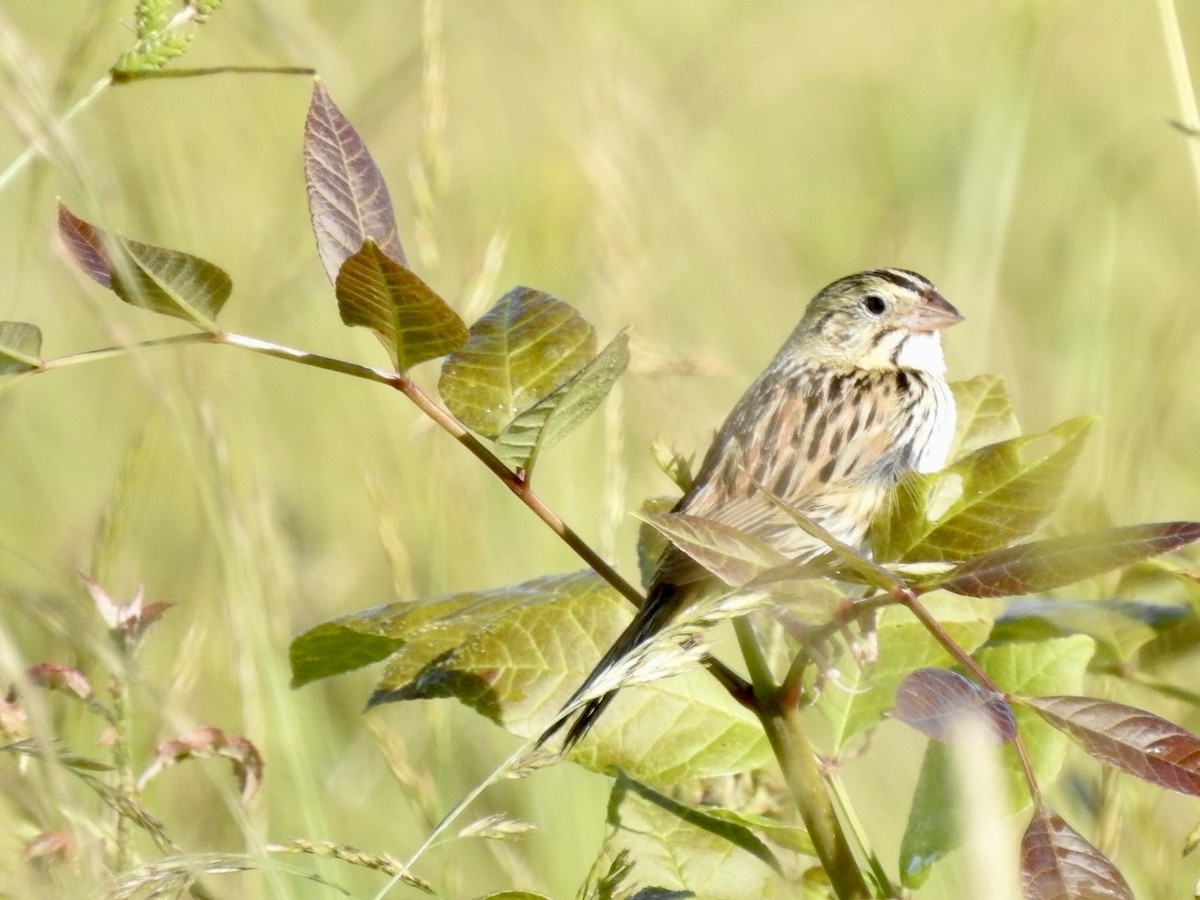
(737, 686)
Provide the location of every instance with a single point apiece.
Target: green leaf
(679, 848)
(164, 281)
(551, 419)
(411, 320)
(515, 654)
(337, 647)
(985, 414)
(731, 555)
(520, 352)
(987, 500)
(1043, 565)
(20, 346)
(1050, 666)
(1120, 628)
(348, 199)
(860, 696)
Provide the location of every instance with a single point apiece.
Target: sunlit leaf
(985, 414)
(515, 654)
(411, 320)
(20, 346)
(1058, 864)
(554, 417)
(859, 696)
(521, 351)
(939, 703)
(161, 280)
(681, 848)
(347, 197)
(1052, 665)
(1120, 628)
(987, 500)
(732, 555)
(1044, 565)
(1126, 738)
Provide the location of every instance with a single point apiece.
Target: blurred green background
(694, 170)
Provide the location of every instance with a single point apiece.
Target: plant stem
(798, 760)
(737, 686)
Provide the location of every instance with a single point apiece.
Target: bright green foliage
(20, 346)
(552, 418)
(526, 347)
(682, 848)
(990, 498)
(861, 695)
(409, 318)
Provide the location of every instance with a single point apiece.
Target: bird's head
(881, 319)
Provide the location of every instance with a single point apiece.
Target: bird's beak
(933, 314)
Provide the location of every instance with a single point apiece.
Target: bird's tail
(654, 615)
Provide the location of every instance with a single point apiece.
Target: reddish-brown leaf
(208, 741)
(85, 243)
(347, 197)
(67, 679)
(1058, 864)
(1127, 738)
(938, 703)
(1042, 565)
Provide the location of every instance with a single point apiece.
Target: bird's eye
(874, 304)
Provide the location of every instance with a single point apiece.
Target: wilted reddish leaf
(1042, 565)
(1127, 738)
(207, 741)
(67, 679)
(347, 197)
(1058, 864)
(938, 703)
(85, 243)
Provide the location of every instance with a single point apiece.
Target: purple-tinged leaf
(20, 347)
(347, 197)
(940, 703)
(158, 279)
(412, 321)
(1043, 565)
(86, 244)
(1058, 864)
(1126, 738)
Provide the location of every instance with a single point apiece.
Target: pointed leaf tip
(1058, 864)
(1042, 565)
(407, 315)
(165, 281)
(348, 199)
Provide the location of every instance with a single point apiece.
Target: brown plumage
(855, 398)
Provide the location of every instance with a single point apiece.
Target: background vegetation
(694, 170)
